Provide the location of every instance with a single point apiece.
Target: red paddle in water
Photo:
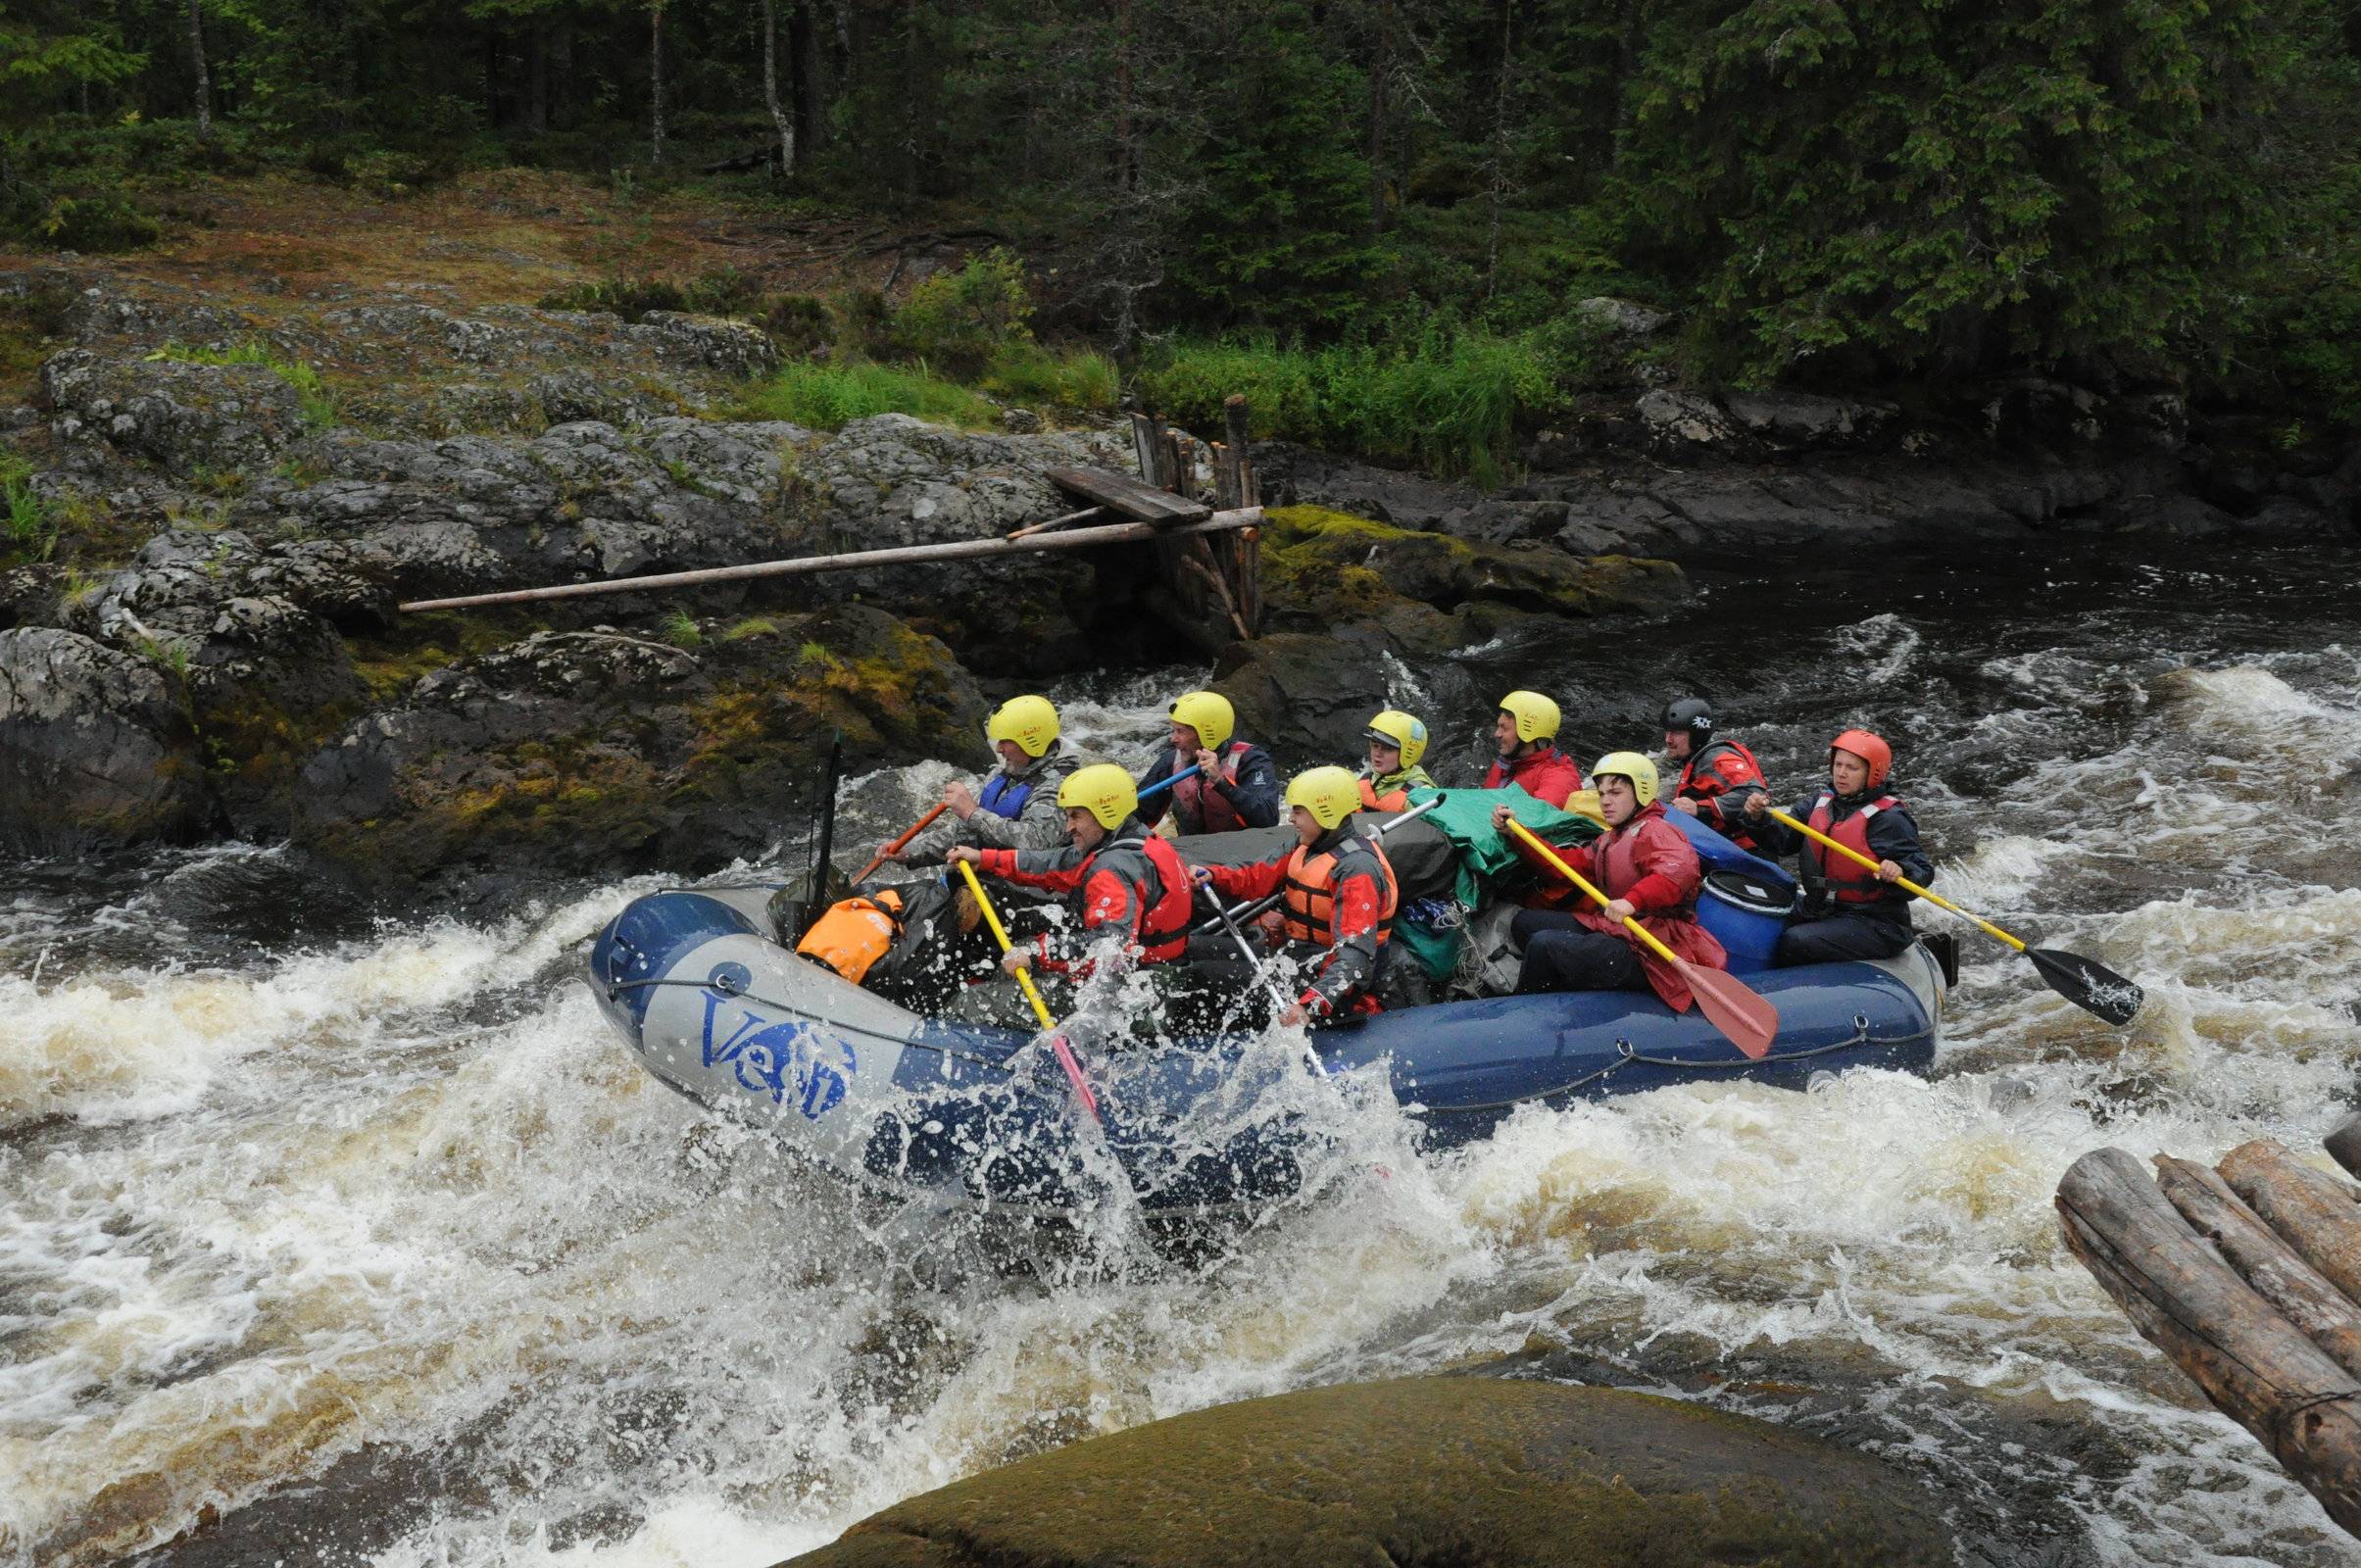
(1750, 1021)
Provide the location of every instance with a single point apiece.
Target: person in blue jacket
(1852, 911)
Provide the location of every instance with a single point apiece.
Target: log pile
(2249, 1276)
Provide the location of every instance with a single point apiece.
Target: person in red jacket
(1526, 731)
(1340, 894)
(1716, 774)
(1116, 876)
(1648, 868)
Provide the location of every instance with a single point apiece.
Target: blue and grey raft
(719, 1010)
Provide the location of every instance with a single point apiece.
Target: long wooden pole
(1115, 533)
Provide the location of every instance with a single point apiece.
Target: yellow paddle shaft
(1025, 977)
(1557, 864)
(1902, 882)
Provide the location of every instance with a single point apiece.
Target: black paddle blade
(2092, 987)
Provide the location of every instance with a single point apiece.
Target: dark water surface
(368, 1241)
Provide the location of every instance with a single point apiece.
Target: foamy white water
(380, 1249)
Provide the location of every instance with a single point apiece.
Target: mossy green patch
(1422, 1470)
(1334, 566)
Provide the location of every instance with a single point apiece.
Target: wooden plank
(2300, 1293)
(2251, 1362)
(1123, 494)
(1115, 533)
(2312, 1209)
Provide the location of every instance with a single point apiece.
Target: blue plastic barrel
(1745, 914)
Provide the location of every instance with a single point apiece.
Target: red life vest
(1847, 882)
(1701, 766)
(1164, 917)
(1615, 864)
(1311, 895)
(1194, 799)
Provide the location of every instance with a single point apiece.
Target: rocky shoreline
(245, 673)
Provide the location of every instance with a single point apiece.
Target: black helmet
(1691, 713)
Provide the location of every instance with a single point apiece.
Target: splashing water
(347, 1243)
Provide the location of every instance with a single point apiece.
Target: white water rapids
(377, 1248)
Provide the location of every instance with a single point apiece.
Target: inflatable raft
(721, 1011)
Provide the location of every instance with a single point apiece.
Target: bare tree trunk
(805, 74)
(196, 55)
(536, 78)
(1380, 69)
(656, 76)
(771, 88)
(1500, 146)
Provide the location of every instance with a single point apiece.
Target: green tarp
(1485, 858)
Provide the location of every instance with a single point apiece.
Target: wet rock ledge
(1433, 1471)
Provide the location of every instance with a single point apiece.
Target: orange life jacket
(1311, 905)
(851, 936)
(1389, 801)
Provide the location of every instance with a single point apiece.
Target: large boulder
(183, 418)
(893, 481)
(1333, 565)
(603, 753)
(585, 500)
(96, 746)
(1421, 1470)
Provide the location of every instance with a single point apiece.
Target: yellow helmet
(1102, 789)
(1535, 714)
(1209, 714)
(1393, 727)
(1329, 794)
(1633, 766)
(1030, 721)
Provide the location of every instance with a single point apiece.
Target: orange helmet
(1869, 749)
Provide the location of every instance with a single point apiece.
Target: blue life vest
(1004, 796)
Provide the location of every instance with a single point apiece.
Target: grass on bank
(318, 408)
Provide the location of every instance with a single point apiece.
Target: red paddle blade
(1073, 1073)
(1748, 1019)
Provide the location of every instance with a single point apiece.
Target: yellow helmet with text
(1535, 714)
(1329, 794)
(1209, 714)
(1392, 727)
(1632, 765)
(1030, 721)
(1102, 789)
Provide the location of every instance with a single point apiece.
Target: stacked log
(2249, 1276)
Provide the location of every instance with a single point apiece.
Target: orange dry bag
(851, 936)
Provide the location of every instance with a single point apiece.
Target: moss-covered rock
(96, 746)
(1332, 566)
(602, 753)
(1424, 1470)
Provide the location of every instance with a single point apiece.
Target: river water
(336, 1240)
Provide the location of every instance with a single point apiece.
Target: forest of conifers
(1822, 190)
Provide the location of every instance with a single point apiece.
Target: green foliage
(1029, 374)
(319, 409)
(752, 626)
(827, 397)
(102, 223)
(726, 292)
(797, 323)
(681, 630)
(962, 320)
(1450, 403)
(1945, 186)
(29, 528)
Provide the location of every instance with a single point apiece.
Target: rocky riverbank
(237, 498)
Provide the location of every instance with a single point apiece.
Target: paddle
(1255, 962)
(1750, 1020)
(2092, 987)
(1248, 911)
(1041, 1008)
(922, 826)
